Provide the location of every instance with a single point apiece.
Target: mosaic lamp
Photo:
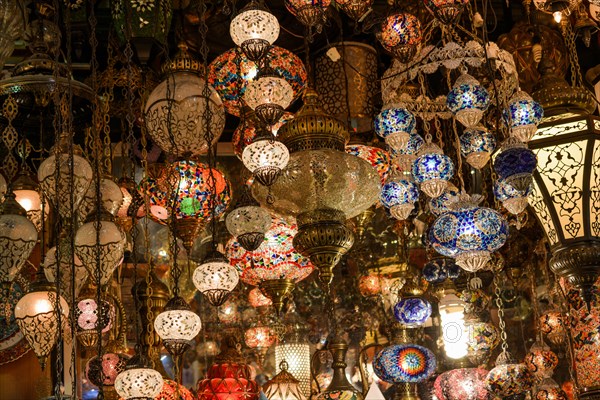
(18, 237)
(257, 299)
(515, 201)
(412, 311)
(283, 386)
(103, 371)
(462, 384)
(310, 13)
(139, 381)
(399, 196)
(269, 95)
(66, 255)
(523, 116)
(403, 159)
(477, 145)
(508, 377)
(248, 222)
(432, 170)
(215, 278)
(266, 157)
(548, 389)
(177, 325)
(468, 100)
(447, 11)
(395, 126)
(401, 35)
(404, 363)
(440, 205)
(515, 165)
(469, 233)
(552, 325)
(179, 104)
(355, 9)
(260, 337)
(254, 30)
(541, 360)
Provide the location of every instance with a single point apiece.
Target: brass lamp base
(323, 237)
(406, 391)
(188, 230)
(277, 290)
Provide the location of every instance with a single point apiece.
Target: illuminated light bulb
(557, 16)
(454, 332)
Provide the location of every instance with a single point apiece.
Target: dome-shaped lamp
(523, 116)
(139, 380)
(477, 145)
(515, 165)
(508, 377)
(269, 95)
(254, 29)
(178, 105)
(177, 325)
(215, 278)
(447, 11)
(27, 194)
(107, 244)
(395, 126)
(399, 196)
(401, 35)
(18, 237)
(468, 100)
(469, 233)
(432, 170)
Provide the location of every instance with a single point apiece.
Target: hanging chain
(501, 321)
(569, 36)
(108, 98)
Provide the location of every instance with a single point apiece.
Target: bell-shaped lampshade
(177, 325)
(37, 316)
(18, 237)
(515, 165)
(401, 35)
(432, 170)
(515, 201)
(265, 158)
(102, 241)
(179, 104)
(523, 116)
(139, 380)
(254, 29)
(395, 126)
(469, 233)
(27, 194)
(477, 145)
(468, 100)
(399, 196)
(269, 95)
(215, 278)
(283, 386)
(66, 270)
(69, 186)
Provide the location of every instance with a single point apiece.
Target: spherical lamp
(412, 311)
(523, 116)
(102, 371)
(215, 278)
(310, 13)
(515, 165)
(552, 324)
(395, 126)
(404, 363)
(549, 390)
(447, 11)
(355, 9)
(176, 110)
(177, 326)
(248, 224)
(462, 384)
(401, 35)
(269, 95)
(508, 378)
(541, 360)
(399, 196)
(254, 29)
(266, 158)
(138, 381)
(515, 201)
(477, 146)
(468, 100)
(432, 170)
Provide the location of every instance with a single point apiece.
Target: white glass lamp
(254, 30)
(215, 278)
(269, 95)
(177, 326)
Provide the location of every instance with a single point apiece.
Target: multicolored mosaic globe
(276, 257)
(462, 384)
(509, 379)
(230, 73)
(404, 363)
(377, 157)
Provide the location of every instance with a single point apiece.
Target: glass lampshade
(404, 363)
(552, 324)
(441, 204)
(111, 197)
(247, 130)
(404, 158)
(395, 126)
(276, 257)
(549, 390)
(454, 332)
(264, 154)
(259, 336)
(102, 371)
(515, 201)
(27, 194)
(254, 29)
(541, 360)
(297, 355)
(256, 298)
(355, 9)
(515, 165)
(18, 237)
(177, 323)
(215, 278)
(247, 220)
(412, 311)
(266, 92)
(523, 116)
(309, 12)
(399, 196)
(107, 243)
(468, 100)
(37, 317)
(508, 378)
(482, 339)
(50, 264)
(139, 383)
(91, 316)
(462, 384)
(75, 185)
(319, 179)
(370, 285)
(378, 158)
(401, 35)
(477, 146)
(437, 270)
(283, 386)
(447, 11)
(176, 112)
(432, 170)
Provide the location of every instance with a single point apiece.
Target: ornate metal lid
(312, 128)
(183, 62)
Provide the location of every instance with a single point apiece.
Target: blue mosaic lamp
(399, 196)
(469, 233)
(468, 100)
(412, 311)
(523, 116)
(515, 201)
(437, 270)
(395, 125)
(477, 145)
(515, 165)
(404, 158)
(404, 363)
(432, 170)
(439, 205)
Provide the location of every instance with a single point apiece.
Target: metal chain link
(500, 305)
(569, 36)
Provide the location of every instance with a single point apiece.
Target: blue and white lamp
(395, 125)
(399, 196)
(432, 170)
(515, 165)
(523, 116)
(515, 201)
(468, 100)
(477, 145)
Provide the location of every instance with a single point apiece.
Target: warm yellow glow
(557, 16)
(454, 332)
(297, 356)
